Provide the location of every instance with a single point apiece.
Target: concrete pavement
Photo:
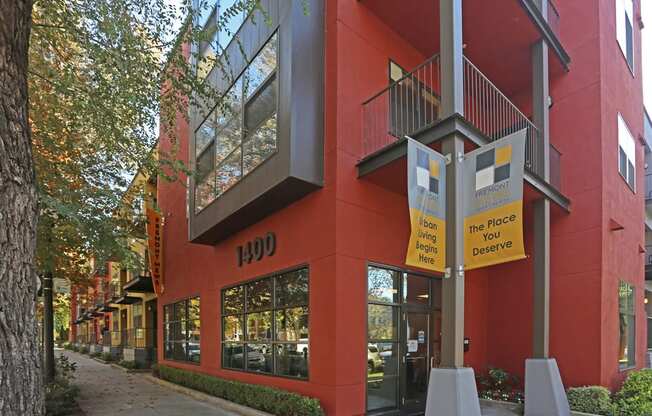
(108, 391)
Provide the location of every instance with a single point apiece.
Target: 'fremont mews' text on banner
(493, 202)
(427, 202)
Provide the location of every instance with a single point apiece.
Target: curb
(99, 360)
(224, 404)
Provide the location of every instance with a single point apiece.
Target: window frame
(628, 311)
(170, 318)
(245, 99)
(623, 18)
(630, 164)
(273, 308)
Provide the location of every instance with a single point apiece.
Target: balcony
(410, 106)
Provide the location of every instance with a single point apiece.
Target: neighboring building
(118, 314)
(648, 232)
(284, 265)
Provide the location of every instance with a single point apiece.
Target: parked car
(374, 360)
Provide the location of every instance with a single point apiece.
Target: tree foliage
(105, 77)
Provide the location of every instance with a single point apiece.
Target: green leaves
(105, 78)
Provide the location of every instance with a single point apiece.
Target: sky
(646, 13)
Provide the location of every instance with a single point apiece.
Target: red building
(284, 263)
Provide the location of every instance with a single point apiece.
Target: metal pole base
(452, 392)
(544, 391)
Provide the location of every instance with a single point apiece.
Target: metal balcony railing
(553, 18)
(131, 338)
(412, 104)
(648, 187)
(648, 255)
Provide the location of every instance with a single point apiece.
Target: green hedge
(635, 396)
(590, 399)
(267, 399)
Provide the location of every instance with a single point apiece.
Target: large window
(625, 29)
(220, 20)
(626, 153)
(182, 329)
(627, 317)
(240, 133)
(265, 325)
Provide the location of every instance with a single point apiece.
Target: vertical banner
(155, 246)
(493, 202)
(427, 202)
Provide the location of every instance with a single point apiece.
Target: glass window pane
(292, 360)
(194, 330)
(233, 328)
(179, 351)
(167, 314)
(622, 161)
(228, 139)
(229, 22)
(229, 172)
(233, 300)
(259, 326)
(262, 66)
(205, 134)
(260, 145)
(382, 285)
(205, 162)
(382, 322)
(261, 106)
(193, 308)
(259, 358)
(292, 324)
(631, 174)
(259, 295)
(417, 290)
(292, 288)
(382, 375)
(233, 356)
(205, 191)
(231, 103)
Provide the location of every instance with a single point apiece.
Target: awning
(127, 300)
(141, 284)
(106, 308)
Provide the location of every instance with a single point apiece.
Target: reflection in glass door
(417, 361)
(400, 340)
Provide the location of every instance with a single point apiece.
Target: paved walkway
(110, 391)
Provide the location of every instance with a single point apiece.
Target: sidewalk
(107, 391)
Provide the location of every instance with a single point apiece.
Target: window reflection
(241, 132)
(273, 335)
(382, 322)
(182, 331)
(383, 285)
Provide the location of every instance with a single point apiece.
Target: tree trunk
(21, 387)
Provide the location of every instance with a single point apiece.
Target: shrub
(61, 393)
(635, 396)
(590, 399)
(498, 384)
(74, 348)
(83, 349)
(155, 371)
(267, 399)
(96, 354)
(107, 356)
(130, 365)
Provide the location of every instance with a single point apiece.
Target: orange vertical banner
(155, 245)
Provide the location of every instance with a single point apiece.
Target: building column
(452, 389)
(452, 98)
(544, 390)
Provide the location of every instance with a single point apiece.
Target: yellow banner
(427, 242)
(494, 236)
(155, 245)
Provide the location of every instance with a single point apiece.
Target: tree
(95, 71)
(20, 378)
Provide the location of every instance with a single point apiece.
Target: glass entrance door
(401, 340)
(416, 367)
